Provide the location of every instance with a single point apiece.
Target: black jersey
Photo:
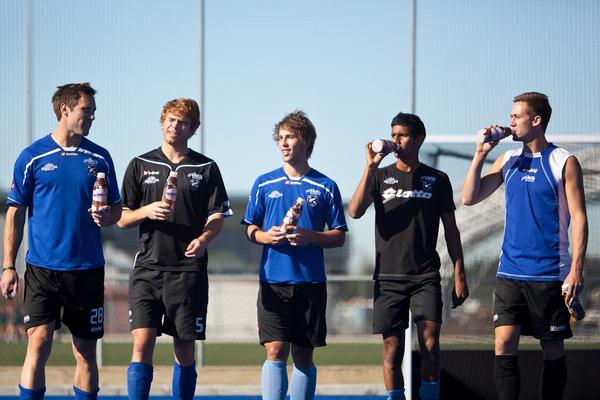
(408, 206)
(200, 194)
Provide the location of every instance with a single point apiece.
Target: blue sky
(345, 62)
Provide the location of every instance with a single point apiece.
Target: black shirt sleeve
(218, 202)
(131, 191)
(446, 196)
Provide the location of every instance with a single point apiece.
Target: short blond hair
(183, 107)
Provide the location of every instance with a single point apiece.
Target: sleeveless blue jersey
(536, 237)
(55, 184)
(271, 197)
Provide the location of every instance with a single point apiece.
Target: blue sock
(429, 390)
(397, 394)
(274, 382)
(31, 394)
(304, 382)
(184, 381)
(139, 379)
(83, 395)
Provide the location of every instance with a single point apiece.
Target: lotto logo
(392, 193)
(528, 178)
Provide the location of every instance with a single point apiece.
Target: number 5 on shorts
(199, 325)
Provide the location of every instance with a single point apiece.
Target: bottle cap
(300, 200)
(173, 174)
(100, 175)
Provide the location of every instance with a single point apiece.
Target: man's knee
(303, 356)
(506, 340)
(84, 350)
(552, 349)
(185, 351)
(277, 350)
(393, 351)
(39, 340)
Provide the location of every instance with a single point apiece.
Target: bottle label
(99, 195)
(171, 194)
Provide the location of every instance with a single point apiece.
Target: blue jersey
(55, 184)
(536, 233)
(272, 196)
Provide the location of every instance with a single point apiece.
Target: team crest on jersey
(390, 181)
(49, 167)
(194, 179)
(91, 165)
(427, 182)
(275, 194)
(312, 196)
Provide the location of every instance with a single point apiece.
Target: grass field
(215, 354)
(218, 354)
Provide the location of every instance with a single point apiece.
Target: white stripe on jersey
(528, 276)
(193, 165)
(317, 184)
(35, 158)
(179, 166)
(155, 162)
(272, 181)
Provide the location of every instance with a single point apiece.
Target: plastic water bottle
(99, 192)
(169, 196)
(576, 307)
(293, 215)
(384, 147)
(495, 134)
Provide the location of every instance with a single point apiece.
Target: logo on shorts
(130, 317)
(390, 181)
(275, 194)
(49, 167)
(558, 328)
(495, 317)
(26, 319)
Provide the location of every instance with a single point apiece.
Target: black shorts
(292, 313)
(392, 300)
(80, 294)
(538, 307)
(172, 302)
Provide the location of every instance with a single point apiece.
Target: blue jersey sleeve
(336, 218)
(21, 191)
(255, 211)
